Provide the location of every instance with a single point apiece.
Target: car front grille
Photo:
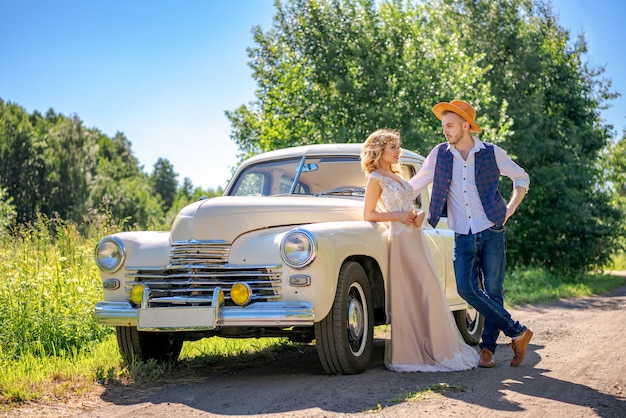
(196, 268)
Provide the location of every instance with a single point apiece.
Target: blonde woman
(424, 336)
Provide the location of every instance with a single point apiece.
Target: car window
(309, 176)
(266, 179)
(299, 176)
(408, 171)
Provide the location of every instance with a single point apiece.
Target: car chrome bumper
(259, 314)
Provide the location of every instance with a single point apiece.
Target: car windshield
(304, 176)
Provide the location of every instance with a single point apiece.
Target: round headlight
(298, 248)
(110, 254)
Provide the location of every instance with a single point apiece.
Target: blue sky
(163, 72)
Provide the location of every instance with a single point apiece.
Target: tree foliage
(52, 165)
(568, 222)
(335, 70)
(70, 165)
(615, 164)
(7, 212)
(22, 166)
(164, 183)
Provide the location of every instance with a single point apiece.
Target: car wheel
(470, 323)
(144, 346)
(345, 337)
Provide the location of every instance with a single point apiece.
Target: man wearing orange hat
(465, 173)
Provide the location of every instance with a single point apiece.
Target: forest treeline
(52, 165)
(335, 70)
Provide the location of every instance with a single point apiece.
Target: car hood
(225, 218)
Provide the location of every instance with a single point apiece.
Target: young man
(465, 173)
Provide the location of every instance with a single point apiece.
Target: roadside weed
(422, 394)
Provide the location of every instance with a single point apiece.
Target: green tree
(614, 164)
(70, 159)
(186, 189)
(163, 179)
(188, 194)
(52, 165)
(7, 211)
(122, 186)
(22, 166)
(333, 71)
(553, 98)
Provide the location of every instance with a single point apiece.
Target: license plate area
(176, 319)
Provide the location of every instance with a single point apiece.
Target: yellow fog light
(240, 293)
(221, 297)
(136, 293)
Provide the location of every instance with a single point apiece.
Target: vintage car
(285, 252)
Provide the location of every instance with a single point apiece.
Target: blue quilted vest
(487, 176)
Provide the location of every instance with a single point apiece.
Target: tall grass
(48, 287)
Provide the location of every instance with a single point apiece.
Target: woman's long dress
(424, 336)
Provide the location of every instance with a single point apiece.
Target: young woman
(424, 336)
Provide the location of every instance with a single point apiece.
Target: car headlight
(110, 254)
(298, 248)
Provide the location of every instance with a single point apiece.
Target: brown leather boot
(486, 358)
(519, 346)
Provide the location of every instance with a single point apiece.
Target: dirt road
(575, 367)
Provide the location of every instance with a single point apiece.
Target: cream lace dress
(424, 336)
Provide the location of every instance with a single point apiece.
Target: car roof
(321, 150)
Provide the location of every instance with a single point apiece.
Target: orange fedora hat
(461, 108)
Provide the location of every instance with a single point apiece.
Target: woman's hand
(414, 217)
(419, 217)
(406, 217)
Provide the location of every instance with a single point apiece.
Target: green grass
(51, 347)
(618, 262)
(32, 376)
(535, 286)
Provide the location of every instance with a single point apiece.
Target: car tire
(470, 324)
(344, 339)
(144, 346)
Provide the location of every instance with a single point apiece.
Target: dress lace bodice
(395, 197)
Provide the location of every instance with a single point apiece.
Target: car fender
(141, 248)
(335, 243)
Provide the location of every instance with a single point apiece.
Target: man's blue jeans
(479, 263)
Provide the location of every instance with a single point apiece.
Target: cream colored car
(284, 253)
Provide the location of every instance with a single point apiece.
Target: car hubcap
(356, 320)
(471, 319)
